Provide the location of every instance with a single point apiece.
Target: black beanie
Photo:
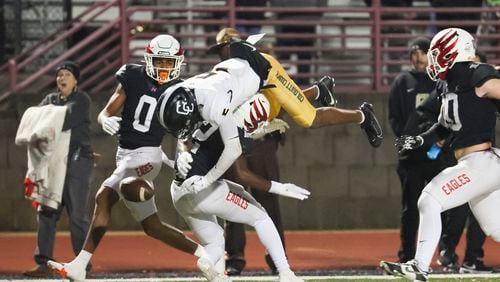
(71, 67)
(420, 43)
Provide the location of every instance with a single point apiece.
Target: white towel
(46, 171)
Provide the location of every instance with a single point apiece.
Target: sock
(82, 259)
(220, 265)
(200, 252)
(268, 235)
(429, 230)
(362, 117)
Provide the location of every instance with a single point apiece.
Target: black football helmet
(178, 112)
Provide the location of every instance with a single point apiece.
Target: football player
(282, 91)
(139, 153)
(202, 107)
(469, 114)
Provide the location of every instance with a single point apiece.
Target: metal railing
(362, 47)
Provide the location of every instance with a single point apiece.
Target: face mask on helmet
(163, 48)
(449, 46)
(178, 113)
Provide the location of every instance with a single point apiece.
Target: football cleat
(208, 270)
(326, 96)
(67, 270)
(289, 276)
(476, 267)
(371, 125)
(447, 261)
(408, 270)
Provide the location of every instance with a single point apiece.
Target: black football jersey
(139, 126)
(471, 119)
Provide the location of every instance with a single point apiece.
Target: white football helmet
(449, 46)
(163, 46)
(253, 113)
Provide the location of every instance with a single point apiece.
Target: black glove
(406, 143)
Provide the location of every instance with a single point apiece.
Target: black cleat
(234, 266)
(408, 270)
(326, 94)
(476, 267)
(371, 125)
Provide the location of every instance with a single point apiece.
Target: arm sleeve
(232, 149)
(77, 112)
(483, 73)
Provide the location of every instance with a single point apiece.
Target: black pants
(413, 176)
(263, 161)
(453, 225)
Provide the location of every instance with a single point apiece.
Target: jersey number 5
(148, 104)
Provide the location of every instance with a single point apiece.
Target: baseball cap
(225, 36)
(71, 67)
(420, 43)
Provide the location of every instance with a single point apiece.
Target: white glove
(111, 125)
(164, 158)
(183, 162)
(195, 184)
(289, 190)
(268, 127)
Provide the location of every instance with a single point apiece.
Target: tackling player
(471, 119)
(139, 153)
(282, 92)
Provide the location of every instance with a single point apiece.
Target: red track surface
(135, 252)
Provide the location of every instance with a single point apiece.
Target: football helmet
(178, 113)
(449, 46)
(163, 46)
(253, 112)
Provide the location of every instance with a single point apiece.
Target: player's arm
(107, 117)
(486, 81)
(240, 173)
(490, 89)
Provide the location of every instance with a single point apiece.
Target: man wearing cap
(79, 168)
(283, 92)
(415, 169)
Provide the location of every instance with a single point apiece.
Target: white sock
(82, 260)
(270, 238)
(429, 230)
(220, 265)
(362, 117)
(200, 252)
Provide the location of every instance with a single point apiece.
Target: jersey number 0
(145, 103)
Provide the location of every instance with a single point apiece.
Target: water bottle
(433, 151)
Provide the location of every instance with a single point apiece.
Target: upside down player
(282, 92)
(139, 154)
(205, 104)
(469, 114)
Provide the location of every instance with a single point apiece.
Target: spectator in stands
(285, 29)
(454, 221)
(415, 169)
(79, 167)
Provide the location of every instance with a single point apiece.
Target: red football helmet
(164, 46)
(449, 46)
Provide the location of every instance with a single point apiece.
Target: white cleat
(289, 276)
(208, 270)
(67, 270)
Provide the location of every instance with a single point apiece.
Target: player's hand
(268, 127)
(289, 190)
(406, 143)
(195, 184)
(183, 163)
(111, 125)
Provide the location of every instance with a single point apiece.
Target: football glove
(195, 184)
(183, 163)
(289, 190)
(268, 127)
(111, 125)
(370, 125)
(406, 143)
